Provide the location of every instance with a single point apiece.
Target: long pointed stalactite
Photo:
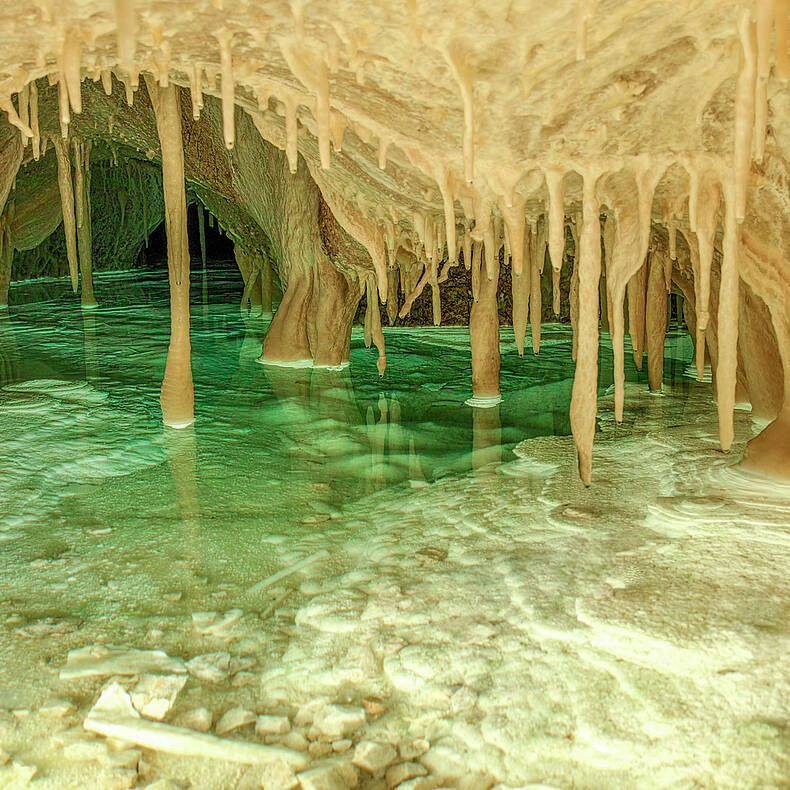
(584, 396)
(66, 187)
(177, 397)
(82, 153)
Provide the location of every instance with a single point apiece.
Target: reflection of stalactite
(9, 354)
(486, 438)
(181, 451)
(89, 344)
(332, 395)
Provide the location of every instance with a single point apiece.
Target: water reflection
(89, 345)
(9, 353)
(181, 451)
(486, 438)
(347, 430)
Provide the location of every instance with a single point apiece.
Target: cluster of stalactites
(495, 219)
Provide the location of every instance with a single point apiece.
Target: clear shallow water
(529, 629)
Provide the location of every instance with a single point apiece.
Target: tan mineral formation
(361, 150)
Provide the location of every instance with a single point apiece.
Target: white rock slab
(339, 721)
(233, 719)
(374, 757)
(330, 775)
(196, 719)
(267, 724)
(212, 667)
(154, 695)
(114, 716)
(403, 772)
(109, 660)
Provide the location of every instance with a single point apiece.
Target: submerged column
(286, 342)
(334, 303)
(177, 396)
(484, 339)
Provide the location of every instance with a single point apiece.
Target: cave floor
(330, 538)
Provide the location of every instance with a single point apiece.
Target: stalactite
(83, 220)
(467, 249)
(585, 380)
(225, 38)
(14, 119)
(484, 230)
(655, 321)
(535, 294)
(573, 291)
(177, 394)
(24, 110)
(515, 221)
(291, 132)
(520, 287)
(375, 324)
(126, 25)
(106, 81)
(699, 333)
(67, 207)
(196, 89)
(647, 175)
(65, 113)
(765, 19)
(556, 217)
(728, 319)
(71, 64)
(337, 129)
(34, 120)
(463, 70)
(744, 109)
(637, 291)
(367, 324)
(622, 253)
(448, 200)
(708, 201)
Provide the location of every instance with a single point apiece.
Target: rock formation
(366, 150)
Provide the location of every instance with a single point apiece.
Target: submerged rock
(212, 667)
(267, 724)
(339, 721)
(233, 719)
(196, 719)
(374, 757)
(154, 695)
(108, 660)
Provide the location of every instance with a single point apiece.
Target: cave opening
(394, 396)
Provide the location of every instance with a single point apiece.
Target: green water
(528, 628)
